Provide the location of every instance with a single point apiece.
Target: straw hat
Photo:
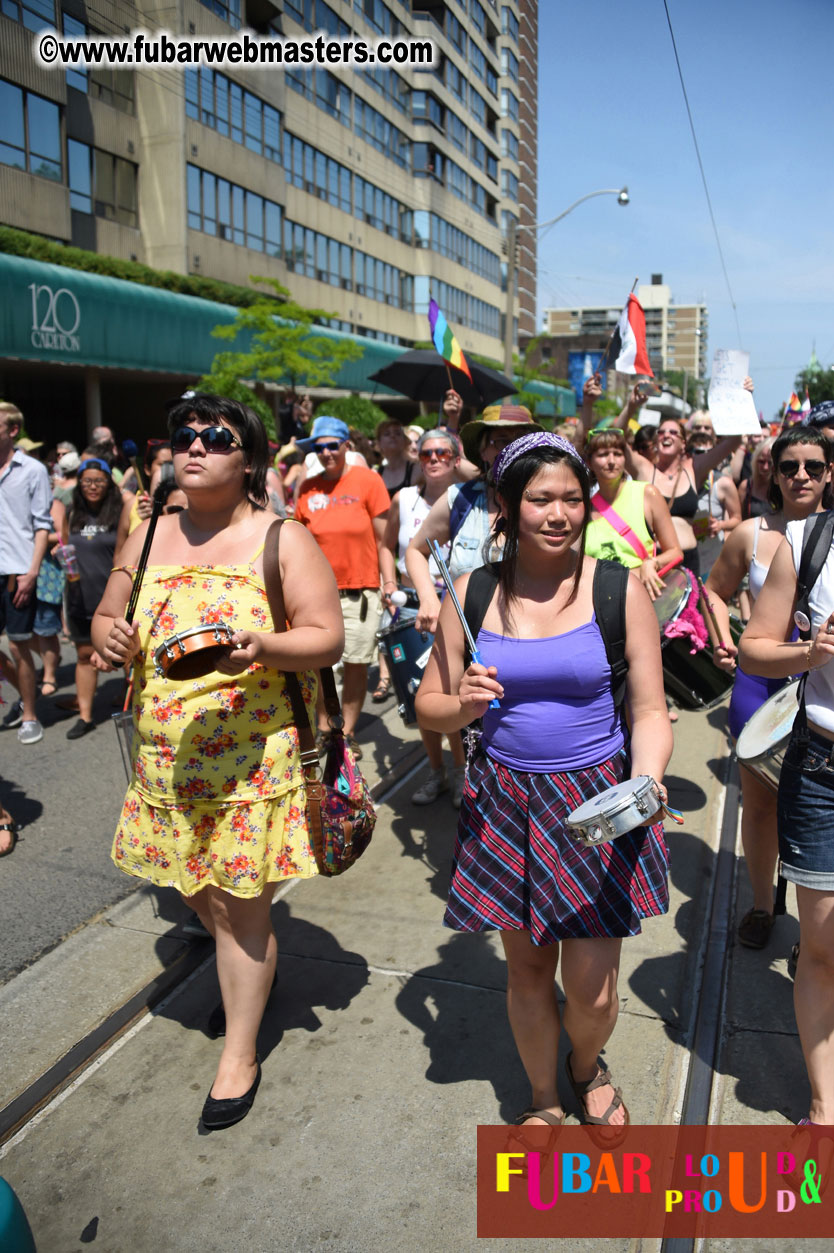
(492, 416)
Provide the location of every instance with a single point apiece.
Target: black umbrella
(422, 374)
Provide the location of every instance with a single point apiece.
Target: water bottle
(69, 561)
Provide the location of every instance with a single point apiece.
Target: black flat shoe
(216, 1025)
(218, 1114)
(80, 728)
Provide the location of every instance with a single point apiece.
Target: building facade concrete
(363, 192)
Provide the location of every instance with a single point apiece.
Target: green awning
(51, 313)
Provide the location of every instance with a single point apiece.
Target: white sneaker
(458, 780)
(431, 789)
(30, 732)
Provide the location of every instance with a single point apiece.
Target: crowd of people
(561, 702)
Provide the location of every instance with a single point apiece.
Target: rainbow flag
(444, 341)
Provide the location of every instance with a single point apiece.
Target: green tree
(819, 382)
(284, 348)
(355, 411)
(672, 380)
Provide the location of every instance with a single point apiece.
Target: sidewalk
(384, 1046)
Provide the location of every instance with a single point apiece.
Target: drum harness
(816, 545)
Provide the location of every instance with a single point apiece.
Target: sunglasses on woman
(213, 439)
(439, 454)
(814, 469)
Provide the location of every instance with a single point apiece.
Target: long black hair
(243, 421)
(788, 439)
(511, 492)
(108, 513)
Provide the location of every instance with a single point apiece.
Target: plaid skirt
(517, 867)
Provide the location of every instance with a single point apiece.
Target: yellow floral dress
(217, 795)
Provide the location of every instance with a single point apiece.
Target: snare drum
(616, 811)
(692, 679)
(193, 654)
(764, 738)
(408, 651)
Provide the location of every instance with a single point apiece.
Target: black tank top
(685, 506)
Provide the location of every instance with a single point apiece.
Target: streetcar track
(63, 1073)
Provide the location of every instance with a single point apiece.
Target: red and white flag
(806, 404)
(627, 351)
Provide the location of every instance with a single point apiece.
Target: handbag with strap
(340, 812)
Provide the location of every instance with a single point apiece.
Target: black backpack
(609, 593)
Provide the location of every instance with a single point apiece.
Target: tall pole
(509, 307)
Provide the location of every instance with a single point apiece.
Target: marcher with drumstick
(438, 455)
(556, 740)
(629, 520)
(801, 473)
(465, 514)
(806, 784)
(216, 807)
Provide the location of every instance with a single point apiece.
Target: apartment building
(676, 335)
(364, 192)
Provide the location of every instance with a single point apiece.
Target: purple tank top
(557, 712)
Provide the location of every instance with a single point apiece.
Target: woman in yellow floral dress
(216, 804)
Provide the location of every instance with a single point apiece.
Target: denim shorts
(47, 619)
(806, 814)
(17, 623)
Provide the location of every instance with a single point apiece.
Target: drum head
(671, 602)
(611, 801)
(770, 725)
(198, 664)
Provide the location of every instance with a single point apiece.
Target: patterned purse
(340, 812)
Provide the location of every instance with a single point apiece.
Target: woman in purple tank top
(556, 741)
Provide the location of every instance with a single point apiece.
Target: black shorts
(79, 628)
(16, 622)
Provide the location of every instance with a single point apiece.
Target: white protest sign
(731, 407)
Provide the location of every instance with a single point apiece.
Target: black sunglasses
(331, 446)
(213, 439)
(814, 469)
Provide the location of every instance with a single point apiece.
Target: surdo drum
(764, 737)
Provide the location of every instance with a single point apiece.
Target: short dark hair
(243, 420)
(788, 439)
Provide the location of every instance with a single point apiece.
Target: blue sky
(611, 112)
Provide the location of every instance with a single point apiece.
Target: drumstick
(670, 566)
(143, 561)
(131, 451)
(434, 549)
(710, 614)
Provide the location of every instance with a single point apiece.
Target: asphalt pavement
(383, 1047)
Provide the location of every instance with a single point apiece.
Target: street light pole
(512, 261)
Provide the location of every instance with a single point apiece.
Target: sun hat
(69, 463)
(29, 445)
(322, 428)
(492, 416)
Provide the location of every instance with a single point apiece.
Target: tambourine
(193, 654)
(616, 811)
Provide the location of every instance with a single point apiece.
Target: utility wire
(703, 173)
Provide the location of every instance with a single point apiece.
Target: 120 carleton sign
(56, 316)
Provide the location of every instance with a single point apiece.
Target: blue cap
(324, 428)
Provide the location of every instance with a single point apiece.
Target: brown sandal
(581, 1089)
(11, 827)
(544, 1114)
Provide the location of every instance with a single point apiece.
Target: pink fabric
(689, 624)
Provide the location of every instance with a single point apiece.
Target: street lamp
(512, 234)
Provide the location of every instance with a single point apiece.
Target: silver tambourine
(616, 811)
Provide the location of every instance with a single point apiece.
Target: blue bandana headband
(527, 443)
(94, 461)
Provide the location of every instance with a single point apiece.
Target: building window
(79, 161)
(427, 109)
(75, 78)
(509, 185)
(102, 184)
(220, 208)
(509, 23)
(371, 126)
(509, 144)
(229, 10)
(34, 14)
(217, 102)
(509, 104)
(509, 64)
(30, 132)
(478, 16)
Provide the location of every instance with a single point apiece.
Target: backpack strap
(480, 591)
(610, 587)
(462, 506)
(816, 545)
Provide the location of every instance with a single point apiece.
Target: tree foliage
(284, 348)
(672, 380)
(819, 382)
(355, 411)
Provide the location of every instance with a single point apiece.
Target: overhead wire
(703, 171)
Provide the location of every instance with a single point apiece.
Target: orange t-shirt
(340, 514)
